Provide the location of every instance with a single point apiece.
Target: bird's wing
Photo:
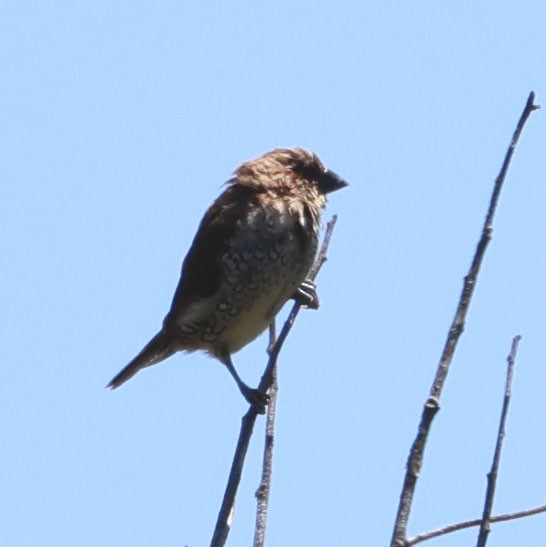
(202, 269)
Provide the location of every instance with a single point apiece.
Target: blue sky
(121, 121)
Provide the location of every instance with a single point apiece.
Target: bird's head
(288, 171)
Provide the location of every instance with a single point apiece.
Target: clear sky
(119, 123)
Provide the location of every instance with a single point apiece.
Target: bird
(252, 252)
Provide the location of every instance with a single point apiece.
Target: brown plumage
(252, 252)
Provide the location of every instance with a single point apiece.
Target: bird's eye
(307, 170)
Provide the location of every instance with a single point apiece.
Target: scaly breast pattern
(266, 261)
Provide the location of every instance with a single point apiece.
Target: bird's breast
(259, 280)
(261, 268)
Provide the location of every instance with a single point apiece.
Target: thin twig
(272, 336)
(471, 523)
(493, 474)
(223, 522)
(431, 407)
(262, 494)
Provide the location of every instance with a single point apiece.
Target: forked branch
(223, 523)
(432, 404)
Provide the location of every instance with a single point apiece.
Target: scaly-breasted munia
(252, 253)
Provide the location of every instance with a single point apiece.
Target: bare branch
(493, 474)
(272, 336)
(432, 405)
(471, 523)
(223, 522)
(262, 494)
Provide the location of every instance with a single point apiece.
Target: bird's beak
(330, 182)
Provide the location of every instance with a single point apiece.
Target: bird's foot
(258, 399)
(306, 295)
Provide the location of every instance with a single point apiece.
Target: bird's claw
(306, 295)
(258, 399)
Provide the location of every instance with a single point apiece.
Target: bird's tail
(157, 349)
